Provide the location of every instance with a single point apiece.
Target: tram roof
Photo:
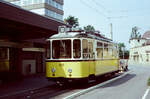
(80, 35)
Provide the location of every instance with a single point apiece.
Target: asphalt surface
(131, 86)
(148, 96)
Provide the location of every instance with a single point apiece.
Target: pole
(111, 31)
(123, 52)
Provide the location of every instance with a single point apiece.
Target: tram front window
(61, 49)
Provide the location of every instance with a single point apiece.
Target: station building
(23, 43)
(140, 50)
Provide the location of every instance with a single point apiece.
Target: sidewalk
(29, 83)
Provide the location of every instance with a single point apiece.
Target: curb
(92, 88)
(146, 93)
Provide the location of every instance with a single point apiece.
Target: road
(132, 86)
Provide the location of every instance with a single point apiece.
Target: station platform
(26, 84)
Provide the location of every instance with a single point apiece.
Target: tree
(72, 21)
(121, 45)
(135, 33)
(89, 28)
(126, 52)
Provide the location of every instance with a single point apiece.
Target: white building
(49, 8)
(140, 50)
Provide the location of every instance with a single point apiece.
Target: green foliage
(135, 33)
(121, 45)
(89, 28)
(72, 21)
(126, 52)
(148, 82)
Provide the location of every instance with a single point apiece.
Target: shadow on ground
(120, 81)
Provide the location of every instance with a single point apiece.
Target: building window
(53, 14)
(54, 4)
(42, 11)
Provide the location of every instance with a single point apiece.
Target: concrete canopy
(18, 24)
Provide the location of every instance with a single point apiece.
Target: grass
(148, 82)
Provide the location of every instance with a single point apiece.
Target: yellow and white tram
(79, 55)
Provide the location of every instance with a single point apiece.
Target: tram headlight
(53, 70)
(70, 70)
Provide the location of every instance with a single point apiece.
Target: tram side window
(90, 46)
(99, 50)
(61, 49)
(48, 52)
(76, 48)
(106, 50)
(110, 51)
(85, 48)
(3, 53)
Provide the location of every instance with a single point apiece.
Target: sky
(123, 14)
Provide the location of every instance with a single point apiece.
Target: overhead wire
(94, 9)
(100, 5)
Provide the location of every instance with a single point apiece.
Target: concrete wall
(137, 42)
(140, 55)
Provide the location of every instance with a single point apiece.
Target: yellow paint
(4, 66)
(81, 69)
(105, 66)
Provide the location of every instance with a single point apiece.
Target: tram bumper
(62, 79)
